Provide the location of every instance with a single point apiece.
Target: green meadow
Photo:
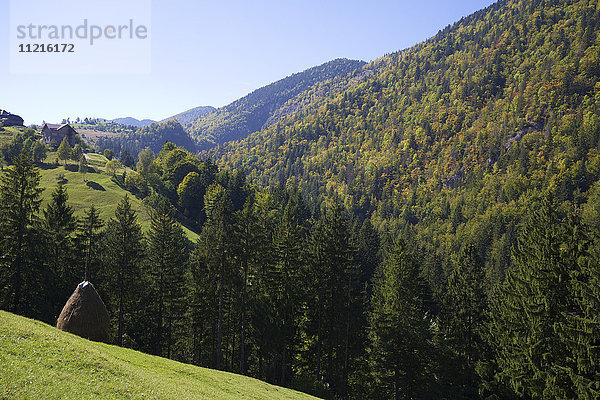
(38, 361)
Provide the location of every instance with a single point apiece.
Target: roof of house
(57, 127)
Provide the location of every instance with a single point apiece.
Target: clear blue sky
(211, 53)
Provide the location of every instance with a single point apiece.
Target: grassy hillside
(38, 361)
(98, 189)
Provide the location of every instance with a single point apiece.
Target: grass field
(7, 132)
(99, 189)
(38, 361)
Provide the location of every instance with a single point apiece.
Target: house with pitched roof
(53, 134)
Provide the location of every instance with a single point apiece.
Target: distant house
(8, 119)
(53, 134)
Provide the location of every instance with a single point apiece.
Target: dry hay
(85, 314)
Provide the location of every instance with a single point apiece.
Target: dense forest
(457, 138)
(153, 136)
(250, 113)
(428, 229)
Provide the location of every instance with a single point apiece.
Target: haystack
(85, 314)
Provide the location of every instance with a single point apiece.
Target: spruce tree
(462, 320)
(19, 204)
(59, 227)
(580, 332)
(89, 236)
(123, 252)
(532, 304)
(166, 264)
(399, 328)
(216, 244)
(333, 290)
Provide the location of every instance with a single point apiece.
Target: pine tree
(333, 290)
(462, 321)
(248, 254)
(580, 332)
(59, 227)
(532, 304)
(64, 150)
(216, 243)
(124, 250)
(89, 236)
(166, 264)
(284, 285)
(19, 204)
(399, 328)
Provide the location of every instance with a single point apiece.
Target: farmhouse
(53, 134)
(8, 119)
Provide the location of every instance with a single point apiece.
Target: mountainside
(250, 113)
(133, 122)
(190, 115)
(154, 136)
(39, 361)
(451, 140)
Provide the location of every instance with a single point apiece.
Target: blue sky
(211, 53)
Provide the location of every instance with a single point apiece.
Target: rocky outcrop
(8, 119)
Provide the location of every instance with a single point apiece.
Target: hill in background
(133, 122)
(250, 113)
(190, 115)
(153, 136)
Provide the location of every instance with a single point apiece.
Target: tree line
(314, 299)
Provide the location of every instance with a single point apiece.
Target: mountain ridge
(249, 113)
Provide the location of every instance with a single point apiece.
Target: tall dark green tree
(19, 205)
(532, 304)
(462, 322)
(400, 329)
(333, 289)
(59, 229)
(216, 244)
(285, 287)
(123, 252)
(580, 332)
(166, 265)
(89, 234)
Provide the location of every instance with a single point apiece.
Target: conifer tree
(124, 250)
(399, 328)
(59, 226)
(166, 261)
(462, 320)
(532, 304)
(216, 243)
(333, 290)
(19, 204)
(284, 285)
(580, 331)
(89, 235)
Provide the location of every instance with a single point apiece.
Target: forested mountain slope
(459, 136)
(154, 136)
(190, 115)
(250, 113)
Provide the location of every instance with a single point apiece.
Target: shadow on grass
(95, 186)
